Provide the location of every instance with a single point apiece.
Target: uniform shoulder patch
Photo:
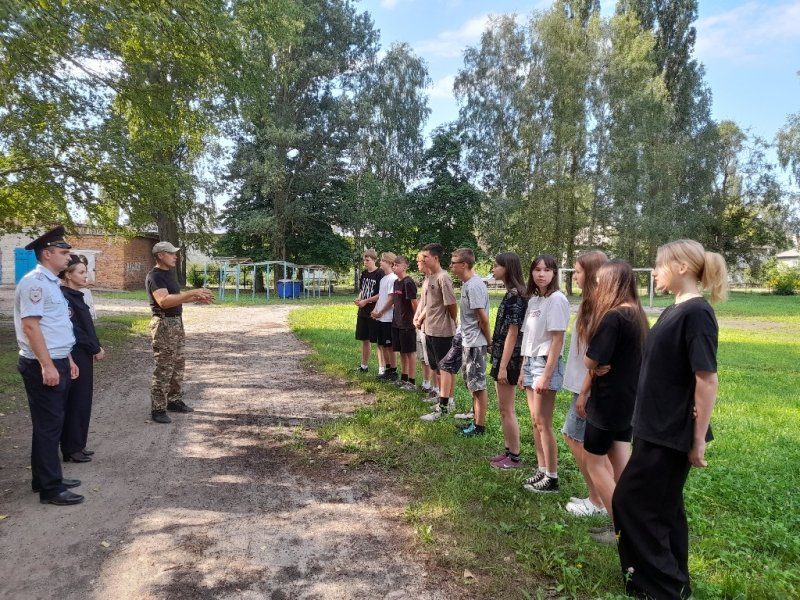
(39, 276)
(35, 294)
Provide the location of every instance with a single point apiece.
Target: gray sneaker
(467, 416)
(435, 414)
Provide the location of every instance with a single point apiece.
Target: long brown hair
(513, 279)
(616, 285)
(590, 262)
(550, 263)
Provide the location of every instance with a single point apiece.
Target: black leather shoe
(67, 483)
(65, 498)
(88, 452)
(78, 457)
(179, 406)
(161, 416)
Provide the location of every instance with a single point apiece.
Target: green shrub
(784, 281)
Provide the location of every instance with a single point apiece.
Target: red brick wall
(122, 263)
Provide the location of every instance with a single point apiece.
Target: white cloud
(389, 4)
(443, 88)
(450, 44)
(748, 33)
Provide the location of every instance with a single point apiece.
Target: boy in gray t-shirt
(474, 310)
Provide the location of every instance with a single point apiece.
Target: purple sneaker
(507, 463)
(499, 457)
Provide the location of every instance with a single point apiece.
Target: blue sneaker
(471, 431)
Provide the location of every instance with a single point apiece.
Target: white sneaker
(451, 405)
(467, 416)
(434, 415)
(585, 509)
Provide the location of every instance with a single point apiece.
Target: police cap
(52, 239)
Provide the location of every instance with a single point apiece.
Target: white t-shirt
(543, 316)
(575, 371)
(385, 291)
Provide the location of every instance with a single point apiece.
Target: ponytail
(714, 277)
(708, 267)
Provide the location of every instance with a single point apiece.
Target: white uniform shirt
(38, 294)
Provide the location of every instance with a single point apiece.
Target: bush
(784, 281)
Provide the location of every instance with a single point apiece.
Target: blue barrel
(289, 288)
(24, 262)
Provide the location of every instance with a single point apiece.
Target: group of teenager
(639, 416)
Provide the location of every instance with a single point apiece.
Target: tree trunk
(168, 232)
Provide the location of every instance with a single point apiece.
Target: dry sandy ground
(238, 500)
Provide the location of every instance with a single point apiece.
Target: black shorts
(513, 369)
(366, 329)
(384, 333)
(599, 441)
(438, 347)
(404, 341)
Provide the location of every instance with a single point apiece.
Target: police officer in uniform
(166, 330)
(45, 338)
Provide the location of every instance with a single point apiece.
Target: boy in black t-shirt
(404, 339)
(366, 326)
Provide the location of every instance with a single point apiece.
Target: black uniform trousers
(47, 418)
(78, 409)
(650, 519)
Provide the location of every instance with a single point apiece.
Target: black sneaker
(161, 416)
(545, 485)
(360, 369)
(179, 406)
(391, 376)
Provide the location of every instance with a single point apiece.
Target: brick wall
(122, 263)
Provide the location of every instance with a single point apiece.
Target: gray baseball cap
(164, 247)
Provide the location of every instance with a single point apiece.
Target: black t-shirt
(159, 279)
(616, 342)
(368, 284)
(682, 342)
(405, 290)
(511, 312)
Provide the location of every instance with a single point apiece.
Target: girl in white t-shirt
(578, 381)
(546, 321)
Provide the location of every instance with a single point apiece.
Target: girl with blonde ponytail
(671, 424)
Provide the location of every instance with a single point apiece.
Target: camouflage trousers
(168, 351)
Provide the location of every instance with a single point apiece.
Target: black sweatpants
(650, 519)
(79, 404)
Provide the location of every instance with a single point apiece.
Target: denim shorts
(534, 367)
(574, 424)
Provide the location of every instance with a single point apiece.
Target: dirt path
(237, 500)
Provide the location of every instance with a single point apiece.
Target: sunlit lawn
(744, 510)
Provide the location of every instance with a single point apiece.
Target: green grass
(112, 331)
(743, 510)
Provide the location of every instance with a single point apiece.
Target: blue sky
(750, 50)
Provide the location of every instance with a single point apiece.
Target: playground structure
(314, 280)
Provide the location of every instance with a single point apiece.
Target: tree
(747, 211)
(445, 209)
(297, 128)
(495, 109)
